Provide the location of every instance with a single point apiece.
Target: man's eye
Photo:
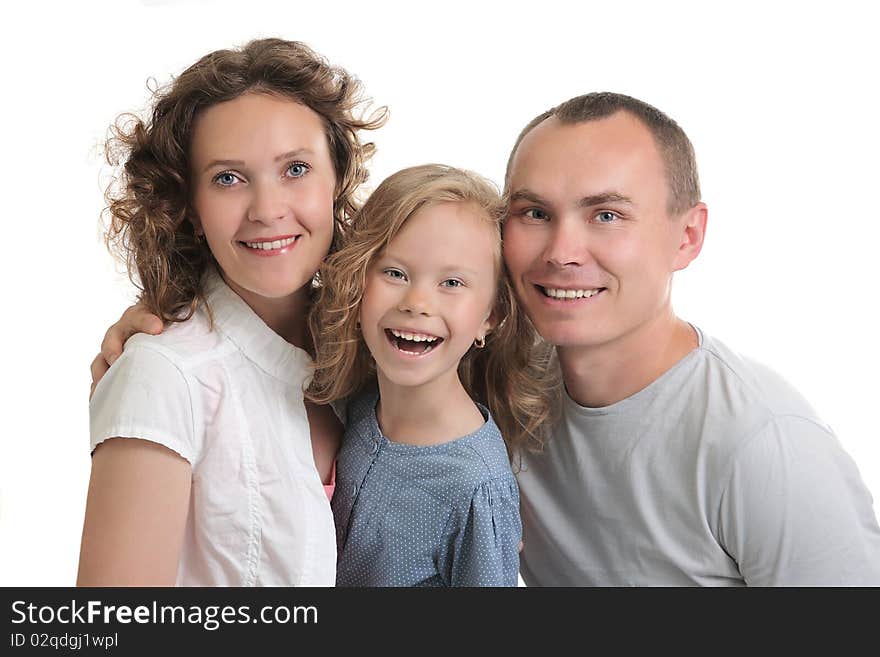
(226, 179)
(606, 217)
(535, 213)
(297, 169)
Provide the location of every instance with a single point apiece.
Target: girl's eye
(452, 282)
(606, 217)
(226, 179)
(297, 169)
(537, 214)
(394, 273)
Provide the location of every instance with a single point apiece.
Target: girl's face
(264, 187)
(430, 294)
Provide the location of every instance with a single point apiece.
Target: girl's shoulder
(360, 409)
(488, 450)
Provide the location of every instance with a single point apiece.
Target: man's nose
(567, 244)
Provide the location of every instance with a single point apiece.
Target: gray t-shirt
(718, 473)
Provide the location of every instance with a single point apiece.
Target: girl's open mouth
(414, 344)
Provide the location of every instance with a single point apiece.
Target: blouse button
(354, 490)
(374, 448)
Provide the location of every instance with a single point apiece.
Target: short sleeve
(485, 537)
(145, 395)
(796, 512)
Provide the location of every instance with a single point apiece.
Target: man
(675, 461)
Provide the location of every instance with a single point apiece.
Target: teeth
(414, 337)
(569, 294)
(266, 246)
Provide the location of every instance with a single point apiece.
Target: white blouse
(229, 401)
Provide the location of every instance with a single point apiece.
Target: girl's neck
(431, 414)
(286, 316)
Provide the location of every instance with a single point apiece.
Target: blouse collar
(260, 344)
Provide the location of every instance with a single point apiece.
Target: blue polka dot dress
(410, 515)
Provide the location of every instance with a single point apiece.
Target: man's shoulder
(744, 390)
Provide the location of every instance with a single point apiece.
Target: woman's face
(263, 192)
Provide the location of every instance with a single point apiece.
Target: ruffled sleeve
(484, 537)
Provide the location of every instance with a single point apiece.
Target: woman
(205, 453)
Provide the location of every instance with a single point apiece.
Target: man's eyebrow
(603, 198)
(237, 163)
(527, 195)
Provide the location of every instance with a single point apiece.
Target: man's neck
(601, 375)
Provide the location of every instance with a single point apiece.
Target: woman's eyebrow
(296, 152)
(237, 163)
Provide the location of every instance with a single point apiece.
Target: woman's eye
(226, 179)
(297, 169)
(606, 217)
(452, 282)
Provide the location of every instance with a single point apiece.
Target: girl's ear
(491, 322)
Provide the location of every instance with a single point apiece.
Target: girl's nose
(415, 301)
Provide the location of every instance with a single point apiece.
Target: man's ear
(693, 231)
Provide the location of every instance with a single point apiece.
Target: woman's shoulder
(186, 343)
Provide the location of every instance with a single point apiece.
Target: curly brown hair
(510, 375)
(149, 203)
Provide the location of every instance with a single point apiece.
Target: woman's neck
(434, 413)
(286, 316)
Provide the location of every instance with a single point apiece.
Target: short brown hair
(149, 204)
(506, 375)
(674, 146)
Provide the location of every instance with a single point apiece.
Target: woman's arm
(326, 433)
(135, 515)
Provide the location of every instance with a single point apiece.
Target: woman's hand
(135, 319)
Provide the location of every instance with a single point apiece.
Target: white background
(780, 100)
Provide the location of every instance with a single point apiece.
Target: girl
(204, 466)
(408, 318)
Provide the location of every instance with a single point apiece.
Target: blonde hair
(150, 225)
(509, 376)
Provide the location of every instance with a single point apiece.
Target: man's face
(588, 241)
